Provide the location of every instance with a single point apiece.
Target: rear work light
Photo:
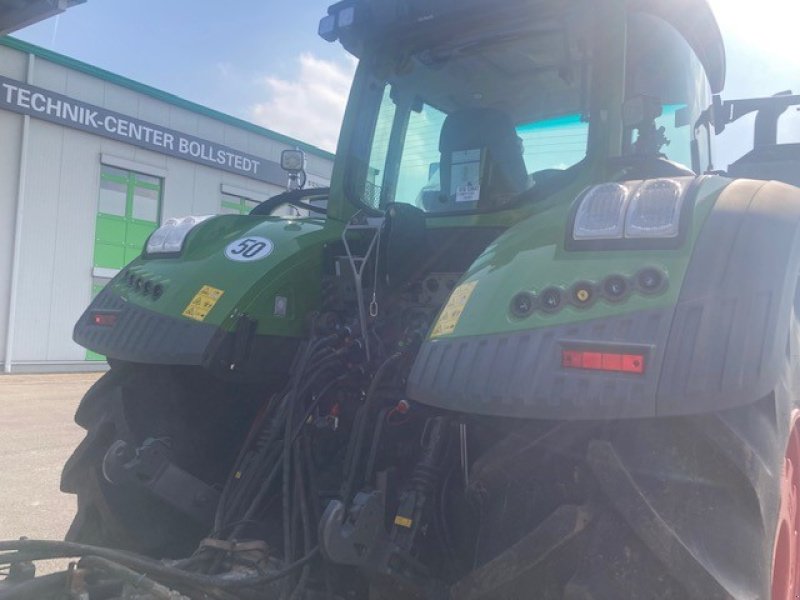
(610, 362)
(632, 211)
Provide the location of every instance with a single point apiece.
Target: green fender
(714, 337)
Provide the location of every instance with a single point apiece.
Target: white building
(90, 164)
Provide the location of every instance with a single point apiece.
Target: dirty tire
(684, 507)
(668, 509)
(133, 403)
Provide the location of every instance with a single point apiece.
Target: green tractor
(529, 344)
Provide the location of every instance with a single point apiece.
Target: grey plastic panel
(520, 374)
(141, 335)
(729, 338)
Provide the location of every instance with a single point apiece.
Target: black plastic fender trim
(728, 343)
(144, 336)
(141, 335)
(520, 374)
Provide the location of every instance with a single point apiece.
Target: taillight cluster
(583, 294)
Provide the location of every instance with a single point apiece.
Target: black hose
(289, 437)
(352, 467)
(34, 589)
(316, 506)
(284, 417)
(262, 492)
(305, 518)
(267, 483)
(157, 570)
(287, 498)
(376, 442)
(239, 477)
(272, 405)
(129, 576)
(298, 366)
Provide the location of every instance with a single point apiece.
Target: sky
(261, 60)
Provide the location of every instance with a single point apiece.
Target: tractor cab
(473, 108)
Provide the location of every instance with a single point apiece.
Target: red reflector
(611, 362)
(104, 319)
(592, 360)
(571, 359)
(633, 363)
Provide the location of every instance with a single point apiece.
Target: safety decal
(202, 303)
(452, 311)
(403, 522)
(249, 249)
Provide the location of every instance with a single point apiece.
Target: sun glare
(769, 27)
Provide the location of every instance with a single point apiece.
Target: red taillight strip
(610, 362)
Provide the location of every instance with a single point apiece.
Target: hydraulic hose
(317, 356)
(34, 589)
(157, 570)
(129, 576)
(352, 467)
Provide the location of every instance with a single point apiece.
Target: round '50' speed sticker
(249, 248)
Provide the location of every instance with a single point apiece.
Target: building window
(236, 205)
(128, 211)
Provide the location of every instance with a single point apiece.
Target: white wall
(60, 203)
(15, 65)
(11, 130)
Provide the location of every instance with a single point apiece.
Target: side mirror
(294, 163)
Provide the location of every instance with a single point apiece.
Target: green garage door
(128, 210)
(236, 205)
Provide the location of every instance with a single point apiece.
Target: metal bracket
(357, 537)
(373, 225)
(150, 468)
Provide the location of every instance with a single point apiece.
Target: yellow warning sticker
(202, 303)
(452, 311)
(403, 522)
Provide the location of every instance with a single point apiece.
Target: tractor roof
(410, 24)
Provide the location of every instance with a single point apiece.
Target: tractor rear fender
(729, 338)
(722, 344)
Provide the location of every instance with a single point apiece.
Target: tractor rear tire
(688, 508)
(701, 507)
(133, 403)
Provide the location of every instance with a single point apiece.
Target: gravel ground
(37, 434)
